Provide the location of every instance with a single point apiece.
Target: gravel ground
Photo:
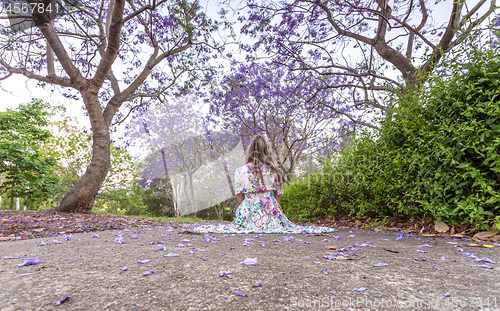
(88, 270)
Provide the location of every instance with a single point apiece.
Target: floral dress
(259, 212)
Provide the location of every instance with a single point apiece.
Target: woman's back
(247, 180)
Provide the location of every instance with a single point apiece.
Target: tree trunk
(11, 207)
(80, 198)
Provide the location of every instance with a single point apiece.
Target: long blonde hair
(259, 152)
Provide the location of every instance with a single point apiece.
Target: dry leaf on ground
(441, 227)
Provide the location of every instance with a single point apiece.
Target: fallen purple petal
(124, 268)
(31, 261)
(482, 266)
(95, 235)
(24, 274)
(172, 255)
(485, 260)
(148, 272)
(143, 261)
(239, 293)
(132, 237)
(257, 285)
(436, 267)
(180, 245)
(361, 289)
(225, 273)
(324, 271)
(63, 300)
(446, 294)
(249, 262)
(263, 244)
(381, 264)
(420, 251)
(57, 241)
(442, 258)
(161, 248)
(18, 257)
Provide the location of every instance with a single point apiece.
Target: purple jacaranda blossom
(383, 239)
(191, 252)
(57, 241)
(63, 300)
(172, 255)
(249, 262)
(199, 250)
(288, 238)
(124, 268)
(459, 250)
(160, 242)
(143, 261)
(326, 240)
(207, 238)
(352, 236)
(342, 249)
(263, 244)
(436, 267)
(486, 260)
(239, 293)
(305, 242)
(399, 238)
(18, 257)
(186, 240)
(324, 271)
(420, 251)
(482, 266)
(381, 264)
(148, 272)
(442, 258)
(452, 243)
(132, 237)
(257, 285)
(205, 258)
(225, 273)
(151, 243)
(276, 241)
(317, 262)
(446, 294)
(425, 245)
(180, 245)
(95, 235)
(361, 289)
(161, 248)
(68, 237)
(31, 261)
(42, 243)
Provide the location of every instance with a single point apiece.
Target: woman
(258, 187)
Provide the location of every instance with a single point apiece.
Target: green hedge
(436, 155)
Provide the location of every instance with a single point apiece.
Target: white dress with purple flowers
(259, 212)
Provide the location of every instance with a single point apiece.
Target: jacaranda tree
(351, 45)
(299, 121)
(115, 55)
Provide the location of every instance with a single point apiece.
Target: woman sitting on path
(258, 187)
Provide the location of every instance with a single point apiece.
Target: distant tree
(27, 169)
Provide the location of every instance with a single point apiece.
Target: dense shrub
(437, 154)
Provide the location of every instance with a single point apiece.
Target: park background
(406, 136)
